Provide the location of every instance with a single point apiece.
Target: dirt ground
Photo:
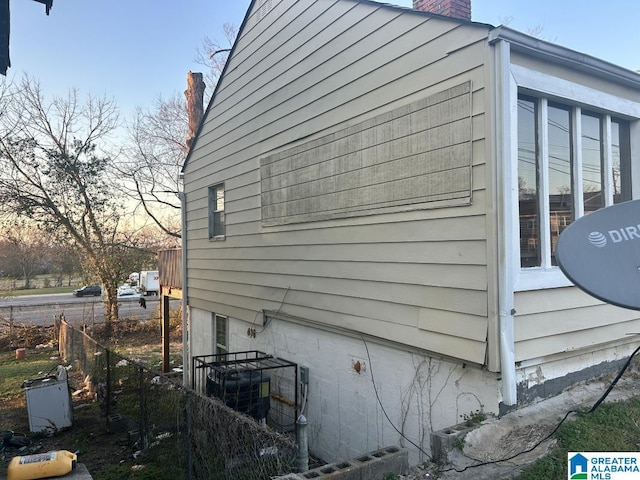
(96, 448)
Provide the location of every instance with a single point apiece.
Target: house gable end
(260, 27)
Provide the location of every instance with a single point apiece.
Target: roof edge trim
(552, 52)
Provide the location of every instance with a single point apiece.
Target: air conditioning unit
(246, 391)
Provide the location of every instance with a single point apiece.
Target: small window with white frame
(220, 333)
(571, 162)
(217, 230)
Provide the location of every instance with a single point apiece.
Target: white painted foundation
(346, 416)
(419, 394)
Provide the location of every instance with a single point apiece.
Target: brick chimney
(449, 8)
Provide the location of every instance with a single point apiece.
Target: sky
(138, 50)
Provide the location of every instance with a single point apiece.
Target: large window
(571, 162)
(216, 212)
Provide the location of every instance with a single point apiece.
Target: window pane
(218, 223)
(216, 211)
(211, 209)
(592, 155)
(621, 161)
(528, 191)
(220, 198)
(221, 334)
(560, 192)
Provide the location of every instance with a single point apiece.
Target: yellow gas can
(41, 465)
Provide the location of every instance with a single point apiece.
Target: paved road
(41, 309)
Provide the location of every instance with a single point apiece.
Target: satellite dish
(600, 253)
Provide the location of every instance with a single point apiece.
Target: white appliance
(49, 402)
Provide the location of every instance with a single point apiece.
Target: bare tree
(65, 260)
(53, 173)
(158, 144)
(213, 56)
(23, 251)
(157, 149)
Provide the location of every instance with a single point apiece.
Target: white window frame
(219, 346)
(571, 94)
(212, 211)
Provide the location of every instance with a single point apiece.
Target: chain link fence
(204, 438)
(86, 314)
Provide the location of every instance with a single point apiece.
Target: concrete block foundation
(370, 466)
(444, 441)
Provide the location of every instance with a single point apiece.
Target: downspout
(506, 153)
(186, 338)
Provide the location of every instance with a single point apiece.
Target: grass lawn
(612, 427)
(108, 456)
(38, 291)
(14, 372)
(40, 285)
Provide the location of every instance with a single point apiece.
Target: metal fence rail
(205, 438)
(86, 314)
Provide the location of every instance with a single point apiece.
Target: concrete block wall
(371, 466)
(355, 384)
(447, 440)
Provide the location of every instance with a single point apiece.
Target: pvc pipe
(302, 458)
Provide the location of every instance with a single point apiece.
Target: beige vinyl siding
(415, 277)
(461, 252)
(561, 320)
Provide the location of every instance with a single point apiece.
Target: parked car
(88, 290)
(128, 292)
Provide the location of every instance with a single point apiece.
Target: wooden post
(166, 331)
(195, 108)
(11, 325)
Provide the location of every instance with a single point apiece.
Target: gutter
(186, 337)
(550, 52)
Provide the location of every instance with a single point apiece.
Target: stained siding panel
(417, 154)
(412, 276)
